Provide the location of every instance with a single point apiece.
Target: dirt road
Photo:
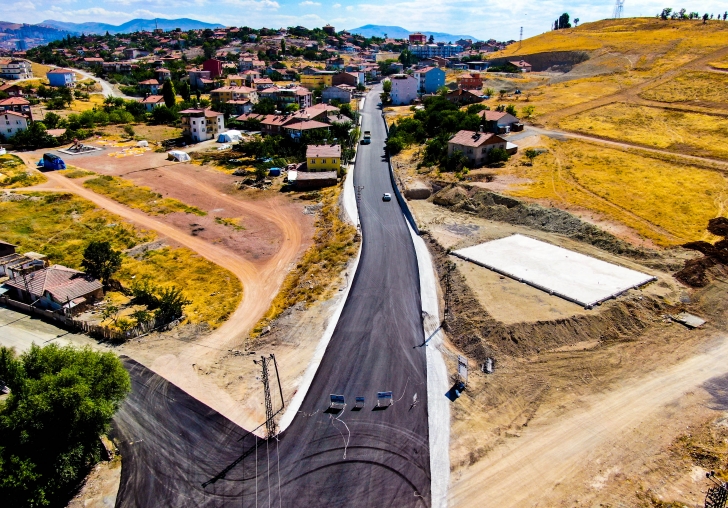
(260, 284)
(553, 450)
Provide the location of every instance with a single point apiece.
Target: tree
(51, 120)
(184, 91)
(527, 111)
(431, 40)
(283, 46)
(496, 155)
(264, 107)
(168, 93)
(531, 154)
(564, 21)
(576, 21)
(387, 86)
(511, 109)
(705, 18)
(101, 261)
(208, 50)
(665, 13)
(61, 400)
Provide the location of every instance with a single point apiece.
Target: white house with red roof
(202, 124)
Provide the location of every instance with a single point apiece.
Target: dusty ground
(101, 486)
(585, 407)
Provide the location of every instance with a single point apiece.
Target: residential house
(262, 83)
(226, 94)
(213, 66)
(319, 78)
(323, 157)
(313, 180)
(335, 93)
(470, 81)
(290, 95)
(500, 122)
(163, 75)
(431, 79)
(12, 90)
(201, 124)
(297, 128)
(132, 53)
(351, 78)
(61, 77)
(6, 248)
(330, 30)
(17, 105)
(199, 79)
(417, 38)
(150, 86)
(463, 97)
(11, 123)
(475, 145)
(404, 89)
(522, 65)
(56, 288)
(249, 63)
(152, 101)
(14, 264)
(15, 68)
(91, 61)
(236, 80)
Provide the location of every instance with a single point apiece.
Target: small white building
(14, 68)
(12, 123)
(202, 124)
(404, 89)
(335, 93)
(475, 145)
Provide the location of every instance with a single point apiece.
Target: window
(323, 161)
(194, 122)
(313, 161)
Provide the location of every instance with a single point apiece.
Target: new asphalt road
(355, 457)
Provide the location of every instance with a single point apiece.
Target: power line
(618, 8)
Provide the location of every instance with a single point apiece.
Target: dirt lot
(585, 407)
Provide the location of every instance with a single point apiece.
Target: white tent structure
(229, 137)
(143, 143)
(179, 156)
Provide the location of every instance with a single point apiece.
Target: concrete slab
(575, 277)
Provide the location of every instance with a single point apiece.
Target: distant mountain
(21, 36)
(135, 25)
(397, 32)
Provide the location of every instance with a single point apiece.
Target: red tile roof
(60, 282)
(153, 99)
(14, 101)
(475, 139)
(323, 151)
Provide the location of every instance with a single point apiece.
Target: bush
(496, 155)
(61, 400)
(129, 130)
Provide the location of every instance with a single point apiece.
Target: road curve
(357, 457)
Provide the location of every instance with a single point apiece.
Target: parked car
(387, 197)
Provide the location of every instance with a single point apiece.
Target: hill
(397, 32)
(134, 25)
(28, 36)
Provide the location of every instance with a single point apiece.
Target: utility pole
(449, 267)
(271, 429)
(520, 39)
(358, 190)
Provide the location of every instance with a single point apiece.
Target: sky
(497, 19)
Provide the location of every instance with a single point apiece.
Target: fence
(100, 332)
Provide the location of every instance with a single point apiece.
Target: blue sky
(499, 19)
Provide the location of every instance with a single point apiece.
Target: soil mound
(490, 205)
(479, 335)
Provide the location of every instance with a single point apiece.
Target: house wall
(433, 80)
(56, 79)
(404, 90)
(323, 163)
(316, 80)
(200, 128)
(11, 125)
(477, 155)
(333, 92)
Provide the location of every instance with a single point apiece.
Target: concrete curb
(437, 378)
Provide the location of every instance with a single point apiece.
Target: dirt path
(632, 94)
(260, 284)
(717, 164)
(552, 450)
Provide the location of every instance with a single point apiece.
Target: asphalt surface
(357, 457)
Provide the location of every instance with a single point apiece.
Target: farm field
(669, 204)
(61, 225)
(691, 86)
(655, 127)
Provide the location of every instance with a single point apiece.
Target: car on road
(387, 197)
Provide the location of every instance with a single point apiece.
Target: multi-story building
(150, 86)
(323, 157)
(14, 68)
(470, 81)
(330, 30)
(431, 79)
(319, 78)
(233, 93)
(201, 124)
(432, 50)
(417, 38)
(17, 105)
(61, 77)
(404, 89)
(11, 123)
(213, 66)
(338, 93)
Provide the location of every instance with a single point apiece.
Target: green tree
(283, 46)
(61, 400)
(511, 109)
(496, 155)
(184, 91)
(527, 111)
(168, 93)
(51, 120)
(101, 261)
(264, 107)
(531, 154)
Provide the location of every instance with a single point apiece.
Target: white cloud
(309, 3)
(336, 6)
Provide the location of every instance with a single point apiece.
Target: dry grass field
(667, 203)
(61, 225)
(14, 173)
(691, 86)
(720, 64)
(677, 131)
(141, 198)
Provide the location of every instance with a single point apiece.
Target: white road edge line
(349, 204)
(437, 378)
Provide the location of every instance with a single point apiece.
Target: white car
(387, 197)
